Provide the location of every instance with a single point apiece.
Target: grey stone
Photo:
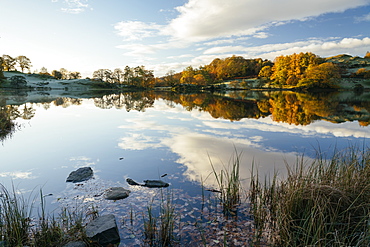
(131, 182)
(104, 230)
(81, 174)
(155, 183)
(75, 244)
(149, 183)
(117, 193)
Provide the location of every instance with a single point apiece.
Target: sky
(164, 35)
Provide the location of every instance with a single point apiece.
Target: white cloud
(74, 6)
(17, 175)
(317, 46)
(201, 20)
(363, 18)
(136, 30)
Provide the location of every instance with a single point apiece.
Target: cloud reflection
(203, 140)
(17, 175)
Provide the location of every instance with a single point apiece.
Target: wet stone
(80, 175)
(155, 183)
(104, 230)
(117, 193)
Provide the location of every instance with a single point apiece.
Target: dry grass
(323, 203)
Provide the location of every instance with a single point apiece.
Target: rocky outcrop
(116, 193)
(80, 175)
(103, 230)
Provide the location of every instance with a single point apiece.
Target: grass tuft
(228, 181)
(322, 203)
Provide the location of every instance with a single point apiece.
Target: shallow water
(126, 137)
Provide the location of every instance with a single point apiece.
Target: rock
(149, 183)
(75, 244)
(117, 193)
(81, 174)
(132, 182)
(155, 183)
(104, 230)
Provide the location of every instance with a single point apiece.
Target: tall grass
(20, 227)
(325, 202)
(229, 186)
(15, 217)
(160, 230)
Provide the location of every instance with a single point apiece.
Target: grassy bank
(24, 222)
(323, 203)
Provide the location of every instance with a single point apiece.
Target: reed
(15, 217)
(19, 227)
(325, 202)
(229, 186)
(159, 230)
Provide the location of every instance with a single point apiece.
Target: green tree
(23, 62)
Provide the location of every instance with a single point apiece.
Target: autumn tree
(187, 76)
(367, 55)
(8, 63)
(23, 62)
(288, 70)
(44, 71)
(170, 79)
(65, 73)
(103, 75)
(74, 75)
(117, 76)
(57, 74)
(323, 76)
(1, 69)
(265, 72)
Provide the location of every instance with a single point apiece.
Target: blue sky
(163, 35)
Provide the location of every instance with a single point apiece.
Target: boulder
(155, 183)
(103, 230)
(117, 193)
(81, 174)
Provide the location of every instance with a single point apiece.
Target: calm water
(144, 135)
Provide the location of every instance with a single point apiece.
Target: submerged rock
(131, 182)
(148, 183)
(104, 230)
(155, 183)
(81, 174)
(75, 244)
(117, 193)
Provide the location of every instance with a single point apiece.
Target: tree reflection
(7, 124)
(282, 106)
(138, 101)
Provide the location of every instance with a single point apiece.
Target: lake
(145, 135)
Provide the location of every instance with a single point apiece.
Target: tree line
(286, 71)
(9, 63)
